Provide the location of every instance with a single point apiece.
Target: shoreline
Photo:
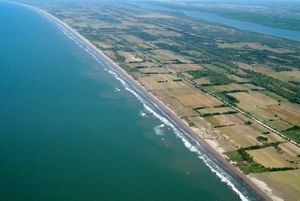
(160, 106)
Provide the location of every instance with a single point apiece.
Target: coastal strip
(210, 157)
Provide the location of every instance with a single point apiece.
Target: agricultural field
(279, 114)
(226, 119)
(183, 67)
(235, 87)
(240, 135)
(284, 183)
(273, 158)
(288, 76)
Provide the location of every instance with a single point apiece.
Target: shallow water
(72, 129)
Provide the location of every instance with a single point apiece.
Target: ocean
(72, 128)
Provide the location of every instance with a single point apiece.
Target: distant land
(279, 14)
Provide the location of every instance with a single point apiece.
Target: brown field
(279, 124)
(291, 149)
(272, 137)
(115, 38)
(133, 39)
(174, 104)
(137, 41)
(184, 67)
(256, 68)
(193, 53)
(286, 113)
(130, 57)
(154, 70)
(285, 183)
(240, 135)
(103, 45)
(146, 64)
(203, 80)
(110, 54)
(256, 46)
(215, 110)
(162, 32)
(253, 101)
(287, 75)
(184, 93)
(198, 99)
(187, 75)
(270, 157)
(166, 56)
(238, 79)
(229, 87)
(280, 115)
(162, 82)
(251, 86)
(215, 68)
(226, 119)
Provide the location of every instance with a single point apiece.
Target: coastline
(170, 114)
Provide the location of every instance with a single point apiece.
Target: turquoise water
(247, 26)
(70, 131)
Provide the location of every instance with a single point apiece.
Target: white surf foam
(142, 114)
(117, 89)
(159, 129)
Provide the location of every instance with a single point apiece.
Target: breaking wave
(117, 89)
(142, 114)
(159, 129)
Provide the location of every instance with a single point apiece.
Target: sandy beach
(211, 149)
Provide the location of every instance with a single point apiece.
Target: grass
(279, 87)
(239, 135)
(226, 97)
(245, 162)
(215, 78)
(273, 158)
(293, 133)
